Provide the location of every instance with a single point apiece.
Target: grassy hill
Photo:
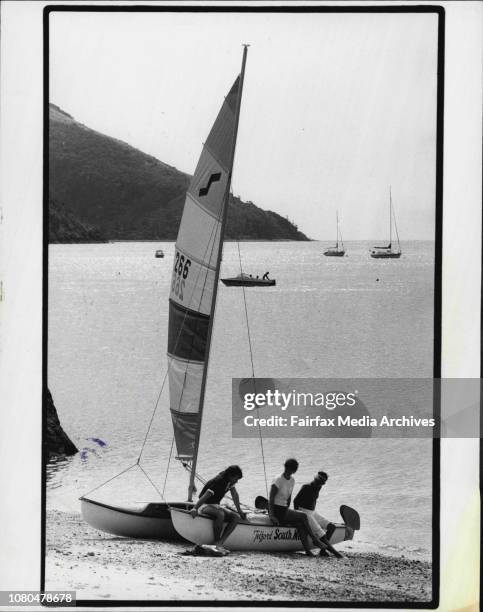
(110, 190)
(64, 226)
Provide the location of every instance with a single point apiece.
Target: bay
(326, 317)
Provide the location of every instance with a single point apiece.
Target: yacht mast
(191, 486)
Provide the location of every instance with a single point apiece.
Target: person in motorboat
(265, 276)
(279, 507)
(305, 501)
(209, 503)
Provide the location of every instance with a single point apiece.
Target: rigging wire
(169, 461)
(110, 479)
(138, 461)
(253, 369)
(147, 476)
(395, 227)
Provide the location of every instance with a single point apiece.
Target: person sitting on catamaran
(265, 276)
(280, 512)
(305, 502)
(209, 503)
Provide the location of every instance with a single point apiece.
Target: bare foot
(221, 548)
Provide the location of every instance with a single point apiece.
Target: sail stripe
(194, 259)
(200, 234)
(206, 210)
(220, 140)
(181, 359)
(208, 150)
(185, 427)
(195, 290)
(189, 311)
(187, 334)
(185, 392)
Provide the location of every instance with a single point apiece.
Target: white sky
(336, 107)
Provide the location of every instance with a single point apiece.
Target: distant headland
(102, 189)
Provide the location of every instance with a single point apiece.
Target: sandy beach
(102, 567)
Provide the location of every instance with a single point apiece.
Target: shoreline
(99, 566)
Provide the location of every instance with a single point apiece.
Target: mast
(337, 230)
(191, 485)
(390, 217)
(397, 233)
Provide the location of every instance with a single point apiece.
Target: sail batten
(195, 275)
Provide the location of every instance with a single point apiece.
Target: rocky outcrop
(56, 441)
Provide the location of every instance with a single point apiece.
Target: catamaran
(388, 252)
(336, 251)
(192, 300)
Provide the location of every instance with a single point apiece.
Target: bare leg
(324, 544)
(299, 519)
(304, 539)
(322, 541)
(218, 515)
(232, 519)
(329, 547)
(326, 539)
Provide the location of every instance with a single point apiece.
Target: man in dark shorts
(305, 501)
(209, 503)
(281, 514)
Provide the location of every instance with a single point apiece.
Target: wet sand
(102, 567)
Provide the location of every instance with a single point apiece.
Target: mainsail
(195, 274)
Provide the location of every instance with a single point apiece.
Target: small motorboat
(247, 280)
(159, 253)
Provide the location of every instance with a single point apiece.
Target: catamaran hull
(386, 255)
(247, 535)
(153, 522)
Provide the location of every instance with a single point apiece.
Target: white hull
(260, 536)
(152, 522)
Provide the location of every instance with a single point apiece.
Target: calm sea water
(326, 317)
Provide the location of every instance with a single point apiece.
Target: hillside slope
(65, 227)
(107, 186)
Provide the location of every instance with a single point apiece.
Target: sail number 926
(181, 270)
